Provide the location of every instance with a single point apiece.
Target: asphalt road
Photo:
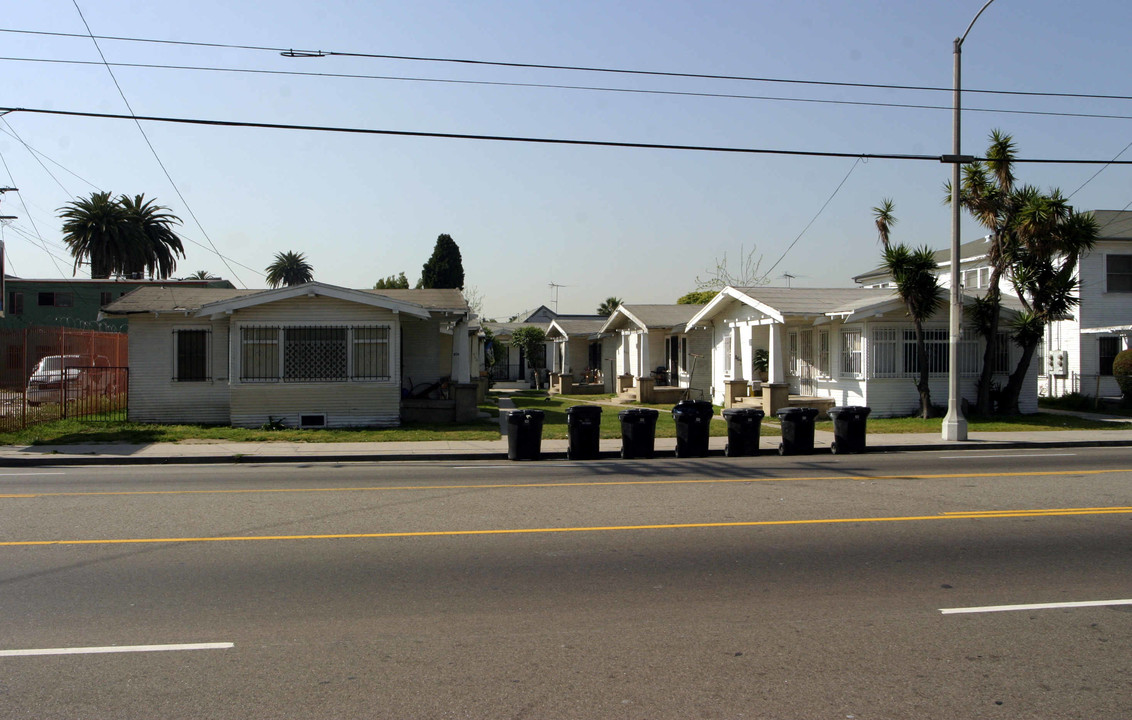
(823, 587)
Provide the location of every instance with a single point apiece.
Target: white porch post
(776, 363)
(646, 364)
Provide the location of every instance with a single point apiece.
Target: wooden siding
(154, 395)
(344, 404)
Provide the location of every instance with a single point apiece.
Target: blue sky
(640, 224)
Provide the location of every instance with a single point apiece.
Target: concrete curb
(52, 460)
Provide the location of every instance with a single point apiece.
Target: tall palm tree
(95, 231)
(121, 236)
(289, 268)
(917, 284)
(202, 275)
(157, 245)
(608, 306)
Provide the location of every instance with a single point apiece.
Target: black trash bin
(693, 425)
(638, 432)
(744, 425)
(524, 434)
(797, 430)
(583, 430)
(849, 428)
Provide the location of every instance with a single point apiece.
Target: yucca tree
(989, 194)
(121, 236)
(1051, 238)
(914, 274)
(289, 268)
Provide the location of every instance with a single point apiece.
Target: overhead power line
(554, 86)
(299, 53)
(536, 140)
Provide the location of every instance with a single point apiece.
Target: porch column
(734, 368)
(461, 353)
(775, 371)
(646, 361)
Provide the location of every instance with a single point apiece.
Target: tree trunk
(983, 404)
(926, 410)
(1013, 391)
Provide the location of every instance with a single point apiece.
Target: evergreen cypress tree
(445, 269)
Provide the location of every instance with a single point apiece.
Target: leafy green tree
(289, 268)
(696, 297)
(914, 273)
(608, 306)
(121, 236)
(399, 282)
(1122, 371)
(445, 269)
(530, 339)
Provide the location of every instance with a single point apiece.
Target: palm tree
(95, 230)
(914, 273)
(202, 275)
(121, 236)
(156, 244)
(289, 268)
(608, 306)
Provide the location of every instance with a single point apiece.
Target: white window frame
(848, 354)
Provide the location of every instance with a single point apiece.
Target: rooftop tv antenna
(554, 289)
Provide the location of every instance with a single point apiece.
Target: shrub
(1122, 371)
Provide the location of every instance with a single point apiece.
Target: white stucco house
(312, 355)
(580, 350)
(1077, 352)
(848, 346)
(657, 342)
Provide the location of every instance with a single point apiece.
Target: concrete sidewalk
(204, 451)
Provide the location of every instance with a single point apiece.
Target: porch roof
(567, 327)
(651, 317)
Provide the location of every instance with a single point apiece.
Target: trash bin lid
(517, 414)
(638, 413)
(850, 410)
(743, 412)
(583, 410)
(796, 412)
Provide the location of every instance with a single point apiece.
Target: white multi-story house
(1077, 352)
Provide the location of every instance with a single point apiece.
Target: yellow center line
(580, 483)
(602, 528)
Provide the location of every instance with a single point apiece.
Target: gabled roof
(209, 301)
(651, 317)
(845, 304)
(569, 326)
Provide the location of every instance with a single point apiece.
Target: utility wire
(551, 86)
(537, 140)
(150, 144)
(1098, 172)
(812, 220)
(291, 52)
(28, 212)
(35, 154)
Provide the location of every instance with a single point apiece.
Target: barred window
(314, 354)
(884, 352)
(792, 343)
(850, 352)
(1108, 348)
(936, 342)
(191, 357)
(823, 353)
(371, 353)
(1002, 353)
(727, 354)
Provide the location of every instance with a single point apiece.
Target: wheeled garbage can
(693, 423)
(583, 431)
(797, 430)
(524, 434)
(744, 425)
(849, 428)
(638, 432)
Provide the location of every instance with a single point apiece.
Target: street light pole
(955, 424)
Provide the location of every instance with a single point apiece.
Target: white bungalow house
(654, 345)
(1077, 352)
(580, 351)
(834, 346)
(312, 355)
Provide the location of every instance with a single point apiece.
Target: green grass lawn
(77, 431)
